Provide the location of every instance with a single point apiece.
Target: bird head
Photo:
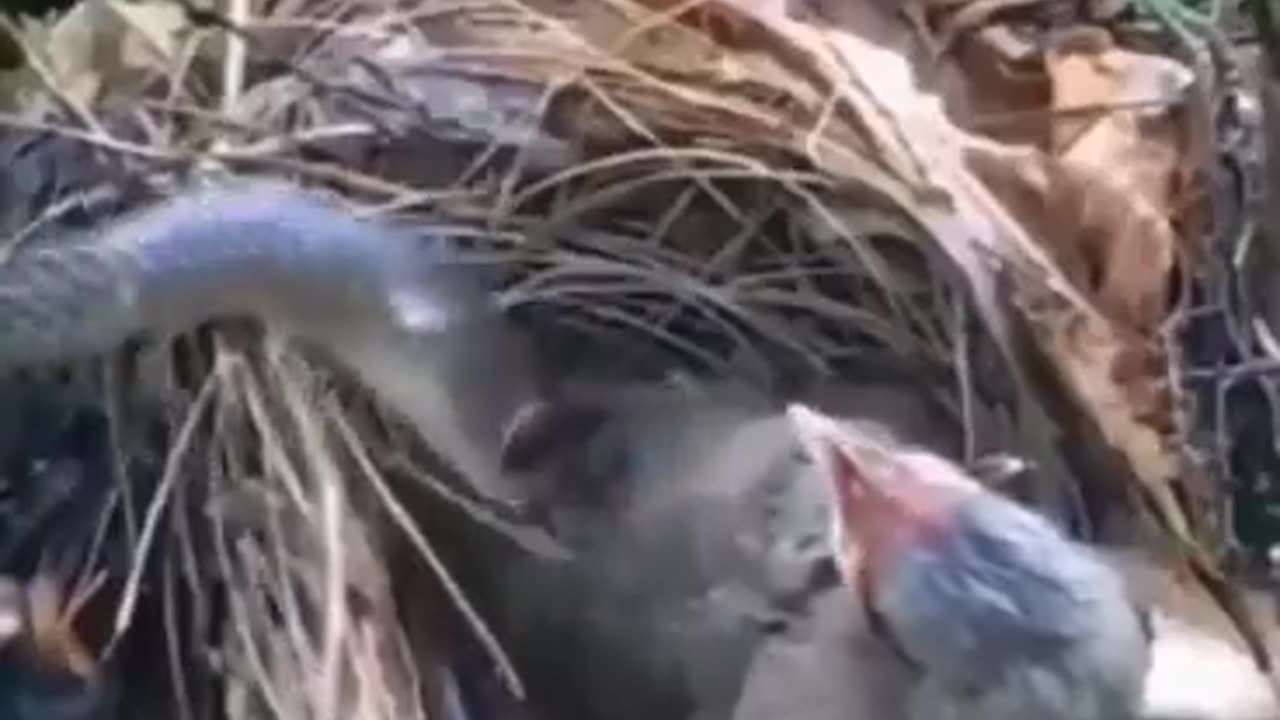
(989, 600)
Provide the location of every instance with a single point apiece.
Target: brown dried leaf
(1099, 200)
(55, 643)
(1115, 186)
(150, 32)
(106, 47)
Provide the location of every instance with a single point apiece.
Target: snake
(396, 309)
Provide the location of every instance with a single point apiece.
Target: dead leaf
(150, 32)
(1100, 198)
(52, 632)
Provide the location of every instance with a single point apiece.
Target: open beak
(882, 500)
(858, 464)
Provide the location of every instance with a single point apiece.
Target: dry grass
(742, 207)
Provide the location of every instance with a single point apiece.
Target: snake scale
(419, 330)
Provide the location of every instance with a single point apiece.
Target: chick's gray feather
(1006, 609)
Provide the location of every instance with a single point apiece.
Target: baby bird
(1004, 617)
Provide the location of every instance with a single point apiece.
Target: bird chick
(1004, 617)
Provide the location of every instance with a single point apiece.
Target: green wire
(1183, 20)
(1185, 11)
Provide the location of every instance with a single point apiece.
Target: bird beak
(881, 499)
(854, 461)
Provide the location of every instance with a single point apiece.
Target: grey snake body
(419, 330)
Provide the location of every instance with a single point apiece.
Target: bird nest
(737, 189)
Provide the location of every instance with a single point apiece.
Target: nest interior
(203, 492)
